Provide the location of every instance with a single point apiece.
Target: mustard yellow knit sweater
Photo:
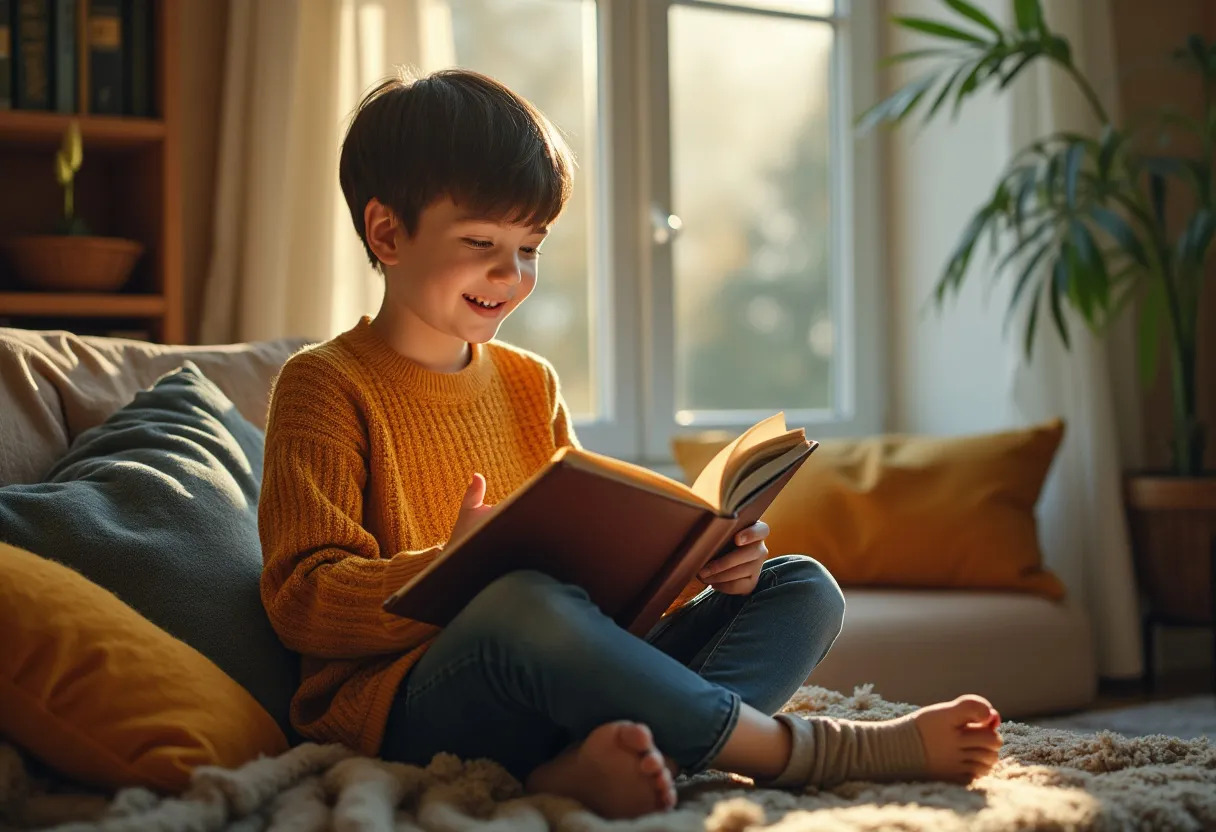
(367, 458)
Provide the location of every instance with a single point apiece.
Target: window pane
(521, 42)
(754, 327)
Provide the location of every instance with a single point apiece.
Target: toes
(652, 763)
(981, 737)
(977, 769)
(635, 737)
(667, 791)
(985, 756)
(973, 709)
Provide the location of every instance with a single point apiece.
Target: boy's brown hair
(454, 133)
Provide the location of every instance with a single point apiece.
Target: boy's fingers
(476, 492)
(736, 587)
(752, 534)
(739, 557)
(720, 563)
(734, 573)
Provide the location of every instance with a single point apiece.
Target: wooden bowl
(72, 263)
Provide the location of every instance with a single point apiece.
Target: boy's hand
(472, 510)
(738, 572)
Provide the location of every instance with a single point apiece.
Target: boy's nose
(508, 273)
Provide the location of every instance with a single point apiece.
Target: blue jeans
(531, 665)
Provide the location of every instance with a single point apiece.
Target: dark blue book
(105, 57)
(138, 44)
(63, 47)
(6, 55)
(32, 55)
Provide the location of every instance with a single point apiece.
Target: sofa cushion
(104, 696)
(915, 511)
(1026, 654)
(54, 385)
(158, 504)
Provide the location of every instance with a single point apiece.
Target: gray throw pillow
(158, 504)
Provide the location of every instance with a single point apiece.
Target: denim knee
(814, 585)
(529, 612)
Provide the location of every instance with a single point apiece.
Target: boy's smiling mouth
(484, 306)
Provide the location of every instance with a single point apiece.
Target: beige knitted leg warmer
(829, 751)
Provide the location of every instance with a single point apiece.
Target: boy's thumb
(476, 492)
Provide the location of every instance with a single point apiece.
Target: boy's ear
(380, 225)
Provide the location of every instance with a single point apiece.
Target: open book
(632, 538)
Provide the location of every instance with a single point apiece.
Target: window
(719, 260)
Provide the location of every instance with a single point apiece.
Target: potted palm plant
(1080, 221)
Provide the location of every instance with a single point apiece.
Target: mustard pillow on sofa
(101, 694)
(914, 511)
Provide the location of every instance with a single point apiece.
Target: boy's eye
(530, 251)
(475, 243)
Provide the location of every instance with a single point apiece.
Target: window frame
(634, 324)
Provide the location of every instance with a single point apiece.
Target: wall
(947, 376)
(204, 29)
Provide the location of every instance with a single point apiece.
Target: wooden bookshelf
(82, 305)
(31, 129)
(129, 186)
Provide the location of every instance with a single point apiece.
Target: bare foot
(616, 772)
(960, 737)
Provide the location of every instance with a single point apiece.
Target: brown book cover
(632, 538)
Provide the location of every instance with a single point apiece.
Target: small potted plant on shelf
(72, 258)
(1082, 221)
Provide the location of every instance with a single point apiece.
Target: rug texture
(1189, 717)
(1046, 780)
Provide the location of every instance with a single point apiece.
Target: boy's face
(463, 275)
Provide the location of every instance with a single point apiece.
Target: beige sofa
(1028, 655)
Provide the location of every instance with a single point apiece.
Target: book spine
(137, 41)
(105, 57)
(6, 55)
(63, 18)
(32, 55)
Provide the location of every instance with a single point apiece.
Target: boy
(400, 433)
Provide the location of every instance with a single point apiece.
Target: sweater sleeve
(324, 577)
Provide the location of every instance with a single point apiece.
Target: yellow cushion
(104, 696)
(914, 511)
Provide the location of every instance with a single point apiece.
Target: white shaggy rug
(1046, 780)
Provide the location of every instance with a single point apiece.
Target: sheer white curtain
(1084, 535)
(285, 260)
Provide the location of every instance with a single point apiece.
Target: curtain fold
(1083, 528)
(285, 260)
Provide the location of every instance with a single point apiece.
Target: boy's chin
(481, 335)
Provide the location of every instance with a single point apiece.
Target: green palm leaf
(967, 10)
(942, 30)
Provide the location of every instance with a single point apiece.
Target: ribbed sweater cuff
(405, 565)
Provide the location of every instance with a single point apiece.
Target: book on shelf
(6, 55)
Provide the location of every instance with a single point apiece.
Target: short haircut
(459, 134)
